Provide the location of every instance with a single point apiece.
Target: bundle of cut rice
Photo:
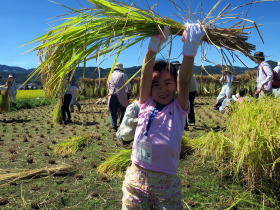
(113, 26)
(13, 175)
(116, 165)
(71, 145)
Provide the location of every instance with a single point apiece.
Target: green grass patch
(24, 94)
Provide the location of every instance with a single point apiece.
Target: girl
(151, 181)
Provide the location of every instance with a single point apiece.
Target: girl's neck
(161, 106)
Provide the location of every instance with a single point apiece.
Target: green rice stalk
(4, 101)
(71, 146)
(57, 113)
(109, 28)
(116, 165)
(215, 145)
(254, 130)
(250, 147)
(186, 147)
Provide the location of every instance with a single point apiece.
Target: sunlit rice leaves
(110, 28)
(30, 94)
(255, 129)
(250, 147)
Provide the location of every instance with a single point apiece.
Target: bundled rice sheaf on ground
(72, 145)
(116, 165)
(11, 175)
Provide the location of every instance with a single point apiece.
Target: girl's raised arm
(146, 76)
(192, 37)
(148, 65)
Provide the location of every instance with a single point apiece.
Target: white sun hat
(119, 66)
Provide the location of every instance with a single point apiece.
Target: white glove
(157, 40)
(192, 37)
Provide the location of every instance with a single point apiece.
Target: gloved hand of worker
(157, 40)
(192, 37)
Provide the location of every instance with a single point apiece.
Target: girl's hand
(157, 40)
(192, 37)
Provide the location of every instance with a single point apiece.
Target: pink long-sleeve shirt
(163, 138)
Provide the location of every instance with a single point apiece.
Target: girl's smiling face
(163, 87)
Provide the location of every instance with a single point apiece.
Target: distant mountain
(21, 74)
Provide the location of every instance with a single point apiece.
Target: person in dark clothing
(65, 108)
(117, 101)
(191, 115)
(116, 108)
(66, 104)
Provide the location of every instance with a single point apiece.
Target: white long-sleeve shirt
(277, 70)
(228, 80)
(193, 85)
(265, 76)
(117, 80)
(128, 125)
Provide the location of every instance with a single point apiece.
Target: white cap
(10, 76)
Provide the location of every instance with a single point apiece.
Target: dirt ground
(27, 138)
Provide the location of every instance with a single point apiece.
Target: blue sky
(23, 20)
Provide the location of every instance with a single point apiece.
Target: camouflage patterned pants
(145, 189)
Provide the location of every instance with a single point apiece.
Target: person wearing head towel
(264, 76)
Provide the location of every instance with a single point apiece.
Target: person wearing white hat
(226, 80)
(12, 89)
(118, 99)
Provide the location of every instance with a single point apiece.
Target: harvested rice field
(34, 175)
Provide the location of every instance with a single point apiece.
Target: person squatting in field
(129, 122)
(118, 100)
(226, 80)
(151, 182)
(241, 96)
(264, 76)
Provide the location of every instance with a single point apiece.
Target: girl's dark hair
(243, 92)
(161, 66)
